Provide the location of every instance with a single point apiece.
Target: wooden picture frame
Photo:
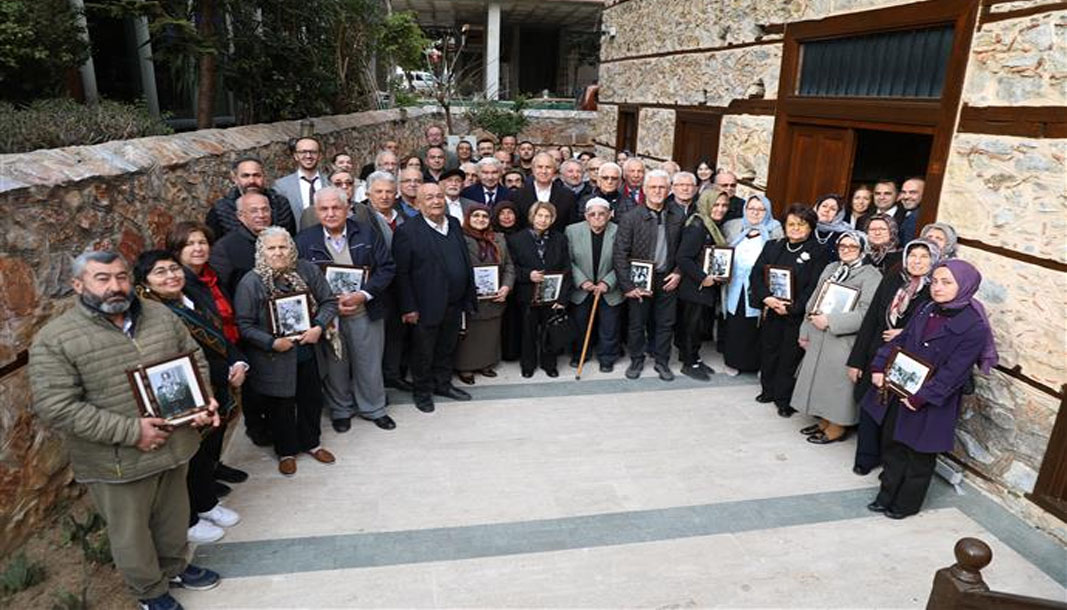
(718, 262)
(641, 274)
(780, 282)
(834, 298)
(170, 388)
(905, 373)
(290, 315)
(486, 280)
(345, 279)
(549, 290)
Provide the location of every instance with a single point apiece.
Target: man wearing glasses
(726, 181)
(609, 178)
(591, 244)
(410, 181)
(299, 187)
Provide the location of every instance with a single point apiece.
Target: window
(626, 136)
(901, 64)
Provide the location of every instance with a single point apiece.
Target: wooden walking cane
(588, 331)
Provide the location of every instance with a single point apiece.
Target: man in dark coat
(488, 190)
(727, 182)
(545, 187)
(650, 233)
(247, 176)
(436, 286)
(609, 181)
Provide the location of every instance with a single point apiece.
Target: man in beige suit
(591, 244)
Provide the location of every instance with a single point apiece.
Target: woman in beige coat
(823, 388)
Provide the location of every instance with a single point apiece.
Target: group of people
(555, 239)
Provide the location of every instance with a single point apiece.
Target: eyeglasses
(756, 210)
(165, 271)
(344, 182)
(307, 153)
(729, 185)
(877, 230)
(411, 181)
(847, 248)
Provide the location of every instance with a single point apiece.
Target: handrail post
(965, 576)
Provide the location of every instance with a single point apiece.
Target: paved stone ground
(596, 493)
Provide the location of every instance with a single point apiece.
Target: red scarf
(229, 320)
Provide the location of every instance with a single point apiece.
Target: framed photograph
(290, 315)
(549, 290)
(780, 282)
(906, 373)
(718, 261)
(486, 280)
(835, 298)
(641, 274)
(345, 278)
(171, 389)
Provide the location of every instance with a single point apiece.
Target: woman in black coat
(899, 294)
(535, 252)
(805, 257)
(505, 222)
(699, 291)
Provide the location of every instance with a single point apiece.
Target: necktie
(311, 189)
(489, 197)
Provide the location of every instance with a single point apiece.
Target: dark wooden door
(820, 162)
(1050, 491)
(696, 137)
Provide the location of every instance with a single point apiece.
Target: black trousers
(255, 411)
(779, 358)
(691, 335)
(605, 337)
(868, 442)
(433, 347)
(660, 309)
(397, 341)
(533, 345)
(201, 476)
(295, 420)
(906, 473)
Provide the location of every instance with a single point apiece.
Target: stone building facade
(54, 204)
(996, 167)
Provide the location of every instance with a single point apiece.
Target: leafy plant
(498, 118)
(54, 123)
(91, 535)
(40, 40)
(20, 574)
(65, 600)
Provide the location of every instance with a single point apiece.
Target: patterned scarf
(486, 239)
(912, 284)
(703, 214)
(879, 252)
(844, 270)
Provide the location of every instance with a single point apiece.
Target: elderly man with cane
(591, 243)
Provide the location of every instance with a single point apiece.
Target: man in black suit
(488, 190)
(726, 180)
(436, 286)
(545, 187)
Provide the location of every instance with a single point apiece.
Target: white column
(148, 69)
(492, 52)
(87, 70)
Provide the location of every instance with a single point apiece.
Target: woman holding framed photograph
(479, 349)
(882, 236)
(536, 251)
(698, 293)
(284, 370)
(804, 258)
(824, 389)
(161, 277)
(898, 296)
(953, 335)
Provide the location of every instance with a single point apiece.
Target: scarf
(486, 239)
(541, 243)
(765, 225)
(844, 270)
(951, 239)
(210, 279)
(837, 224)
(969, 279)
(204, 326)
(879, 252)
(703, 214)
(912, 284)
(495, 220)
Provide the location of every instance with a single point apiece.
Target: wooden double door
(820, 162)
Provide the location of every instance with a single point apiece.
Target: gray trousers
(147, 521)
(353, 385)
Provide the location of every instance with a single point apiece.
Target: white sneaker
(205, 531)
(732, 372)
(221, 516)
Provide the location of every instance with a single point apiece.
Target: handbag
(558, 333)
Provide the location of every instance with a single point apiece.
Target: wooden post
(951, 584)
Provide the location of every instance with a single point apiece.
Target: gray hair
(378, 158)
(380, 176)
(104, 257)
(238, 203)
(330, 191)
(632, 161)
(569, 162)
(677, 175)
(276, 231)
(657, 173)
(609, 165)
(597, 201)
(487, 161)
(546, 155)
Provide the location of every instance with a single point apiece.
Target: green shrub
(20, 574)
(65, 600)
(40, 40)
(91, 535)
(498, 119)
(58, 122)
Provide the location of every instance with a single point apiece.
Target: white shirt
(455, 209)
(442, 229)
(543, 195)
(305, 189)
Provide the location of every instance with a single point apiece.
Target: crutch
(588, 332)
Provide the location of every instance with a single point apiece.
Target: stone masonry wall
(55, 204)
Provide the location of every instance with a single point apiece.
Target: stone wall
(57, 203)
(745, 147)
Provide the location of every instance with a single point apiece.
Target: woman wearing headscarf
(479, 348)
(698, 292)
(830, 210)
(898, 296)
(953, 334)
(284, 370)
(505, 221)
(747, 236)
(160, 277)
(823, 388)
(805, 259)
(884, 243)
(944, 236)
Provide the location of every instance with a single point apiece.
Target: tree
(41, 41)
(442, 59)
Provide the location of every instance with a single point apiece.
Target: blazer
(232, 257)
(421, 277)
(580, 240)
(524, 255)
(289, 186)
(560, 196)
(953, 350)
(636, 239)
(367, 249)
(807, 264)
(616, 199)
(222, 217)
(476, 193)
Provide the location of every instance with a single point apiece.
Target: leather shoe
(820, 438)
(489, 372)
(707, 369)
(260, 438)
(786, 411)
(452, 392)
(230, 474)
(384, 422)
(809, 430)
(861, 470)
(221, 489)
(400, 384)
(764, 399)
(634, 370)
(527, 374)
(287, 466)
(875, 507)
(342, 425)
(574, 362)
(467, 378)
(693, 371)
(664, 372)
(322, 456)
(424, 404)
(552, 372)
(607, 367)
(892, 514)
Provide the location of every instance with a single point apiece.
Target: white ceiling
(574, 13)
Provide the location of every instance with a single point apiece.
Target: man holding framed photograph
(78, 365)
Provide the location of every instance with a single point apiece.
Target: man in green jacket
(134, 467)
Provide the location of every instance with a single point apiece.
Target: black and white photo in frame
(171, 389)
(780, 282)
(718, 261)
(290, 315)
(641, 273)
(835, 298)
(486, 280)
(905, 373)
(548, 291)
(345, 279)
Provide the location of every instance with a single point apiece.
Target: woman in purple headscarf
(952, 333)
